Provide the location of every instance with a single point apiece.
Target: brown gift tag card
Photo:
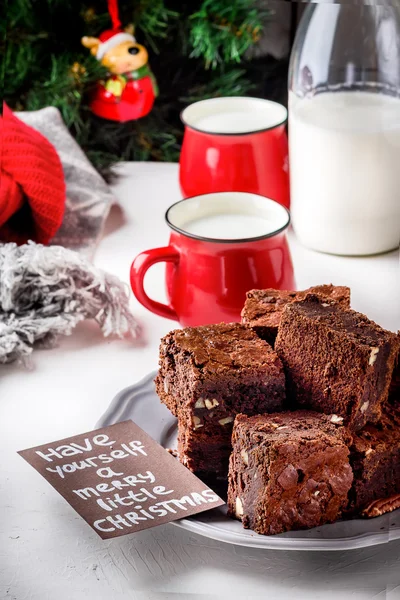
(120, 480)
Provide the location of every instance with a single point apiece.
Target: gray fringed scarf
(47, 291)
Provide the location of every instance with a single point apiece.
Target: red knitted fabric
(32, 187)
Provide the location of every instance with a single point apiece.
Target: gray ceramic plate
(141, 404)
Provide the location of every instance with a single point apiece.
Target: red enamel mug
(235, 144)
(221, 246)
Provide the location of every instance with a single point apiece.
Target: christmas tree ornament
(129, 91)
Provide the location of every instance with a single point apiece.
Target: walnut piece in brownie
(209, 374)
(288, 471)
(336, 360)
(375, 459)
(380, 507)
(263, 308)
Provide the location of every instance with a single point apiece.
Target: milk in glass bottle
(344, 127)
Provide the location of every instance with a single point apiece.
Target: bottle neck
(347, 46)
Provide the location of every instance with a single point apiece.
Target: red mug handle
(139, 267)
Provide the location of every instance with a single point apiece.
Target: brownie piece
(203, 453)
(209, 374)
(263, 308)
(288, 471)
(375, 459)
(336, 360)
(394, 390)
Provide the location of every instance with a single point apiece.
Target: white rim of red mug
(227, 99)
(226, 240)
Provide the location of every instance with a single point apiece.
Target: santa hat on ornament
(110, 39)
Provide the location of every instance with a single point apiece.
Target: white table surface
(48, 553)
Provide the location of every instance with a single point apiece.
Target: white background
(48, 553)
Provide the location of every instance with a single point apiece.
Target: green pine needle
(221, 32)
(226, 83)
(153, 19)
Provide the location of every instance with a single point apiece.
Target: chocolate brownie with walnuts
(375, 459)
(209, 374)
(336, 360)
(288, 471)
(263, 309)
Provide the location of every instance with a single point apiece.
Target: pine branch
(228, 82)
(154, 19)
(66, 85)
(194, 50)
(221, 32)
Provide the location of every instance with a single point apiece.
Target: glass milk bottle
(344, 127)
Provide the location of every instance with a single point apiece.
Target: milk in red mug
(235, 144)
(221, 245)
